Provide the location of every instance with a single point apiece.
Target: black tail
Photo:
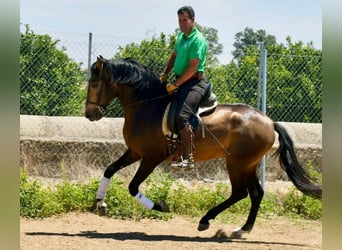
(289, 162)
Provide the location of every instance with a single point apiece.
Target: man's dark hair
(187, 9)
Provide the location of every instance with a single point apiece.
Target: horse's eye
(94, 84)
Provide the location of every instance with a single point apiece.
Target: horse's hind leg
(255, 193)
(126, 159)
(239, 191)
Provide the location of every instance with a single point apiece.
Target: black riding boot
(187, 148)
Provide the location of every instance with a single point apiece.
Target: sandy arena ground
(89, 231)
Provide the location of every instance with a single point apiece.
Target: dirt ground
(89, 231)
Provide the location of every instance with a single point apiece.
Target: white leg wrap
(101, 192)
(143, 200)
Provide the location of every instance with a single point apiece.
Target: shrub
(37, 201)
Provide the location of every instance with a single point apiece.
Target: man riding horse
(188, 62)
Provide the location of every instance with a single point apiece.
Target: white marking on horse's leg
(143, 200)
(101, 203)
(237, 233)
(101, 192)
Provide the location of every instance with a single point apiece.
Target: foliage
(248, 38)
(294, 72)
(221, 78)
(50, 83)
(153, 53)
(294, 81)
(37, 201)
(296, 203)
(214, 47)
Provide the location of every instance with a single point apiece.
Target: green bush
(37, 201)
(298, 204)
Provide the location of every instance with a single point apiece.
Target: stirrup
(184, 164)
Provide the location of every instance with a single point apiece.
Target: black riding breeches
(188, 97)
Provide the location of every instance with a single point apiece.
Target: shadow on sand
(218, 237)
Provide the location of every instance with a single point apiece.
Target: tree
(214, 47)
(152, 53)
(50, 82)
(244, 82)
(248, 37)
(294, 81)
(294, 75)
(221, 77)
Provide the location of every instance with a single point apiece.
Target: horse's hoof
(101, 211)
(164, 207)
(237, 233)
(101, 208)
(202, 227)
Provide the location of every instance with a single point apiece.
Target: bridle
(100, 108)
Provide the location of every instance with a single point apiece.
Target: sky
(299, 19)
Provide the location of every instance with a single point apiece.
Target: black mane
(131, 72)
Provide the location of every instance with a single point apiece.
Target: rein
(147, 100)
(103, 108)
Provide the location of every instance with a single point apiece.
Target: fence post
(262, 73)
(261, 47)
(89, 52)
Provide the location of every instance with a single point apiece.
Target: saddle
(206, 107)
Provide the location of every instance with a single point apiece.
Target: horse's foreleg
(126, 159)
(145, 169)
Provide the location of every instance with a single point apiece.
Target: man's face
(186, 23)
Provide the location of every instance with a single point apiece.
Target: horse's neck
(142, 110)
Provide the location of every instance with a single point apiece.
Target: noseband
(100, 108)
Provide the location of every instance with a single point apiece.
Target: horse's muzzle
(95, 114)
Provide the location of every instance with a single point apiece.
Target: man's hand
(163, 77)
(170, 88)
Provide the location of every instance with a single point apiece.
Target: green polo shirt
(194, 46)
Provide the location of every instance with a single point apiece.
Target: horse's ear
(99, 63)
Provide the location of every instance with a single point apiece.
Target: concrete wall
(73, 147)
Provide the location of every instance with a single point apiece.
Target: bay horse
(238, 132)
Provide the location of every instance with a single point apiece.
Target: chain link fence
(54, 74)
(294, 83)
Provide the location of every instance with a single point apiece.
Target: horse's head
(126, 79)
(100, 90)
